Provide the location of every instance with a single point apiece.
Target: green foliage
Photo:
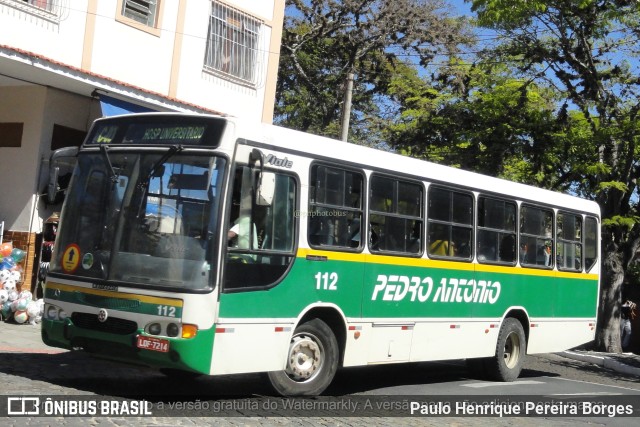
(325, 40)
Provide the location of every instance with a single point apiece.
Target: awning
(115, 107)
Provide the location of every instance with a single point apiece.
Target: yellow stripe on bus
(430, 263)
(114, 294)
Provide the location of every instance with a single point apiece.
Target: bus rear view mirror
(186, 181)
(266, 189)
(53, 187)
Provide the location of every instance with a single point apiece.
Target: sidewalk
(25, 338)
(624, 363)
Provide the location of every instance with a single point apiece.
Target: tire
(312, 361)
(511, 349)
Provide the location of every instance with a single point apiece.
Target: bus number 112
(327, 281)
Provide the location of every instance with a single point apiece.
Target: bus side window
(396, 215)
(263, 244)
(536, 239)
(590, 242)
(496, 231)
(450, 223)
(335, 208)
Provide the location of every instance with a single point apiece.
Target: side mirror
(266, 189)
(54, 171)
(52, 187)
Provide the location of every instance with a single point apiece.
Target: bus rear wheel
(312, 361)
(510, 352)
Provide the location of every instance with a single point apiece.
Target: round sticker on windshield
(87, 261)
(70, 258)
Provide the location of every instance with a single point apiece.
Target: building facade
(64, 63)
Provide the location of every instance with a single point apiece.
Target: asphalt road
(28, 368)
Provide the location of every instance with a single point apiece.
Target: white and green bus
(202, 244)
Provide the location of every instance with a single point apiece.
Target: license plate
(153, 344)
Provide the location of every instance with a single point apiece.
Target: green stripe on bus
(417, 288)
(132, 303)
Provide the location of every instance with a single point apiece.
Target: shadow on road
(79, 373)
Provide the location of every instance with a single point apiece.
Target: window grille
(143, 11)
(47, 5)
(233, 44)
(47, 9)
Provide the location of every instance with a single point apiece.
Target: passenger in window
(415, 244)
(439, 243)
(374, 238)
(524, 254)
(547, 254)
(240, 234)
(508, 249)
(486, 252)
(353, 233)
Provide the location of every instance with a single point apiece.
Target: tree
(588, 50)
(477, 117)
(325, 40)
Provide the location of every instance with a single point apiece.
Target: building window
(11, 134)
(143, 11)
(46, 9)
(233, 43)
(47, 5)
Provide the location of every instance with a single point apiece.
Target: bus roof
(370, 158)
(319, 147)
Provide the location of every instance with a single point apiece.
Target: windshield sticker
(87, 261)
(71, 258)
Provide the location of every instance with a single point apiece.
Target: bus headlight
(173, 330)
(154, 329)
(53, 312)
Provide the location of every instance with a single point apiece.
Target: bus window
(590, 242)
(261, 237)
(335, 208)
(536, 240)
(569, 242)
(450, 223)
(496, 231)
(396, 216)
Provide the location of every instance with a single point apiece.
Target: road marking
(484, 385)
(592, 383)
(595, 393)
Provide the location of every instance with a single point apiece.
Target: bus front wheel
(312, 361)
(510, 352)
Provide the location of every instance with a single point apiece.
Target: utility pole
(346, 111)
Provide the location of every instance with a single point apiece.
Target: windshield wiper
(114, 175)
(144, 185)
(162, 160)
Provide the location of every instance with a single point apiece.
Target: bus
(200, 244)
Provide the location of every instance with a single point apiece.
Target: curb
(603, 361)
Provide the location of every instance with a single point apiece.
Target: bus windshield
(143, 218)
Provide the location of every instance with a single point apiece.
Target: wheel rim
(512, 350)
(306, 356)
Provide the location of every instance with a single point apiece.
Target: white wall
(39, 109)
(18, 165)
(131, 55)
(61, 41)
